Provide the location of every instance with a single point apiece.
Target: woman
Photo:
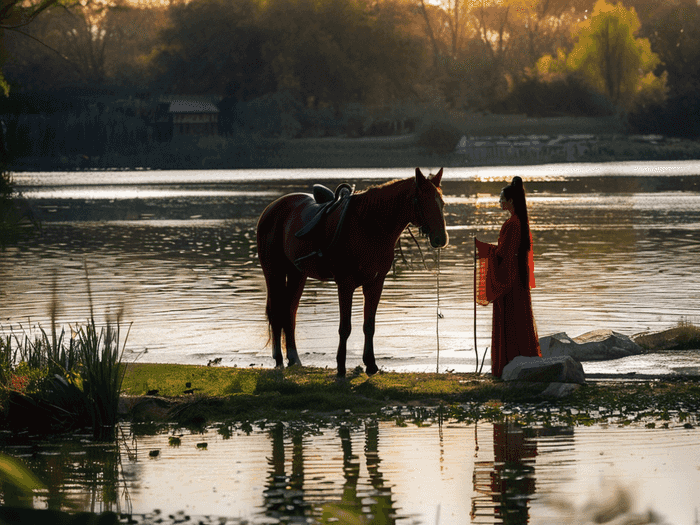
(507, 282)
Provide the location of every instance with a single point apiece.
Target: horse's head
(429, 208)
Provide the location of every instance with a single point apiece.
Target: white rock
(598, 345)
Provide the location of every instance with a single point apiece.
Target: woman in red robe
(507, 282)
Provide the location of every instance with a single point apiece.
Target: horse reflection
(284, 495)
(287, 498)
(381, 508)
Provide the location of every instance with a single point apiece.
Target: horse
(351, 242)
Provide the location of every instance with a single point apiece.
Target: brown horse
(352, 244)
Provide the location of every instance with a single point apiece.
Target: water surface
(616, 247)
(443, 472)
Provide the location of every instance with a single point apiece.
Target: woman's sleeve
(503, 262)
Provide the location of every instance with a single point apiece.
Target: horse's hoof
(294, 363)
(371, 370)
(340, 374)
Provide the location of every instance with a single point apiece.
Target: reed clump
(60, 381)
(684, 336)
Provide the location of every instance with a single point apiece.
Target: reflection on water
(616, 247)
(508, 481)
(440, 471)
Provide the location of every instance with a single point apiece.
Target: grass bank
(197, 395)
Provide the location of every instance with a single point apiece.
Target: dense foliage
(87, 76)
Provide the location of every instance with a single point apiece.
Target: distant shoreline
(390, 152)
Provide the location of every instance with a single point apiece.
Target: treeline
(299, 68)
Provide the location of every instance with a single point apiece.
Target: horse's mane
(381, 196)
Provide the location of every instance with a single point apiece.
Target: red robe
(513, 328)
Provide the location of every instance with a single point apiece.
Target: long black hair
(515, 191)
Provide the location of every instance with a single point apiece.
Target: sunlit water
(616, 247)
(375, 472)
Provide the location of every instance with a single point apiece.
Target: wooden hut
(194, 118)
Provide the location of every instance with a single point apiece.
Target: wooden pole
(476, 351)
(437, 314)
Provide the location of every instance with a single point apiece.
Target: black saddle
(326, 202)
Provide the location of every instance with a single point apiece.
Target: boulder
(561, 369)
(559, 390)
(598, 345)
(145, 408)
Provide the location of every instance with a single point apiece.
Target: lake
(173, 252)
(438, 472)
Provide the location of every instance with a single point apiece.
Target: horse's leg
(275, 311)
(345, 292)
(295, 287)
(372, 292)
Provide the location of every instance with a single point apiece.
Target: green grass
(234, 394)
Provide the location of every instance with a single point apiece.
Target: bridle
(423, 227)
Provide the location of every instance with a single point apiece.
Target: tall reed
(102, 374)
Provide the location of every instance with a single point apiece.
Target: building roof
(192, 106)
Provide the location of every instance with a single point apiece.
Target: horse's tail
(270, 257)
(269, 325)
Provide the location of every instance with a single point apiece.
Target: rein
(438, 315)
(425, 230)
(418, 211)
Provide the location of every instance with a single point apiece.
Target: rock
(598, 345)
(560, 369)
(558, 390)
(145, 408)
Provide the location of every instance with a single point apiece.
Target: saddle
(326, 202)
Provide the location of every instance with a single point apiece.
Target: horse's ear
(435, 179)
(419, 176)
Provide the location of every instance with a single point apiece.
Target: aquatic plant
(101, 374)
(613, 503)
(15, 474)
(68, 382)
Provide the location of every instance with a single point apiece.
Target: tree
(673, 28)
(14, 16)
(87, 44)
(540, 27)
(213, 47)
(611, 59)
(338, 51)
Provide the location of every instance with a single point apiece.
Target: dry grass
(684, 336)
